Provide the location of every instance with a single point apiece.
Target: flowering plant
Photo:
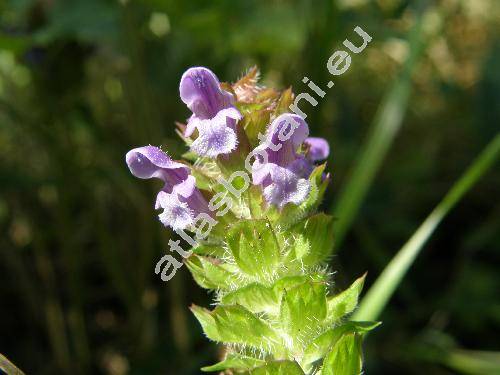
(249, 189)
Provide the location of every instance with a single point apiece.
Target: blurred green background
(83, 81)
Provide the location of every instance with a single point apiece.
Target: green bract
(275, 310)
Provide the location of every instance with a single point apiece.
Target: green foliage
(278, 368)
(235, 362)
(345, 356)
(236, 325)
(313, 239)
(300, 306)
(254, 247)
(292, 214)
(255, 297)
(209, 250)
(208, 272)
(321, 345)
(345, 302)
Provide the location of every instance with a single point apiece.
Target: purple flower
(319, 149)
(284, 175)
(179, 198)
(214, 114)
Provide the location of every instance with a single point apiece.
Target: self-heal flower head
(179, 198)
(214, 114)
(284, 175)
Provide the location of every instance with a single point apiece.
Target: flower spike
(267, 259)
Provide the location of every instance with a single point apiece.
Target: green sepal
(259, 298)
(202, 172)
(344, 302)
(236, 163)
(318, 186)
(254, 247)
(292, 214)
(284, 102)
(255, 297)
(301, 308)
(190, 156)
(320, 346)
(236, 325)
(210, 273)
(255, 201)
(313, 239)
(255, 122)
(209, 250)
(207, 321)
(289, 282)
(235, 362)
(278, 368)
(345, 356)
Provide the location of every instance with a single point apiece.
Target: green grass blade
(8, 367)
(383, 288)
(471, 361)
(384, 128)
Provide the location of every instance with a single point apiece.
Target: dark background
(83, 81)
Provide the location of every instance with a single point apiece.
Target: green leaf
(278, 368)
(344, 302)
(362, 327)
(254, 247)
(236, 325)
(313, 239)
(207, 321)
(235, 362)
(302, 307)
(255, 297)
(210, 273)
(320, 346)
(383, 288)
(345, 356)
